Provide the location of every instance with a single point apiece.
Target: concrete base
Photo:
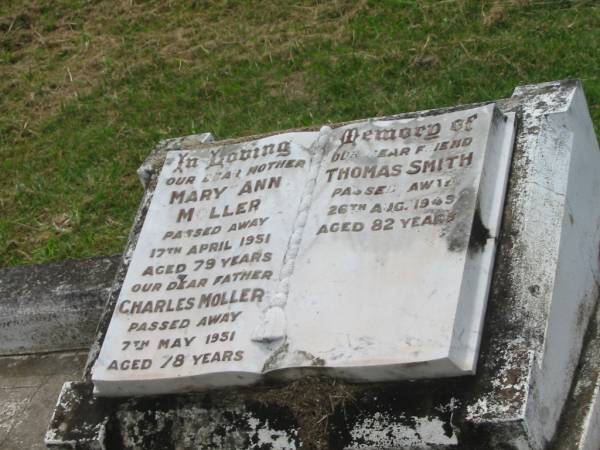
(53, 307)
(29, 386)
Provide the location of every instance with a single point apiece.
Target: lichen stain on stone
(193, 427)
(276, 357)
(291, 357)
(385, 431)
(509, 383)
(479, 233)
(310, 358)
(399, 415)
(598, 259)
(534, 290)
(463, 232)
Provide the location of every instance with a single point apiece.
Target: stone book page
(207, 259)
(391, 277)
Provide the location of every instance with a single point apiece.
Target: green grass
(88, 88)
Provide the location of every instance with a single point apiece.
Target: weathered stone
(404, 297)
(28, 389)
(155, 160)
(53, 307)
(543, 291)
(580, 420)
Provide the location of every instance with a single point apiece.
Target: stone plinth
(543, 291)
(53, 307)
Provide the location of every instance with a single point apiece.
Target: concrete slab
(29, 386)
(53, 307)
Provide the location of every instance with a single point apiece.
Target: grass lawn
(87, 88)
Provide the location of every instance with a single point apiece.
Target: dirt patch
(313, 401)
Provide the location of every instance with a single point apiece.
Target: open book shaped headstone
(364, 251)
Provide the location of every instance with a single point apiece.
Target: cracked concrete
(29, 386)
(53, 307)
(48, 318)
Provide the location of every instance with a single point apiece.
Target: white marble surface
(206, 279)
(387, 284)
(349, 249)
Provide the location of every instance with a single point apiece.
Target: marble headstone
(364, 251)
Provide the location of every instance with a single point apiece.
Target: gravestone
(345, 272)
(365, 251)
